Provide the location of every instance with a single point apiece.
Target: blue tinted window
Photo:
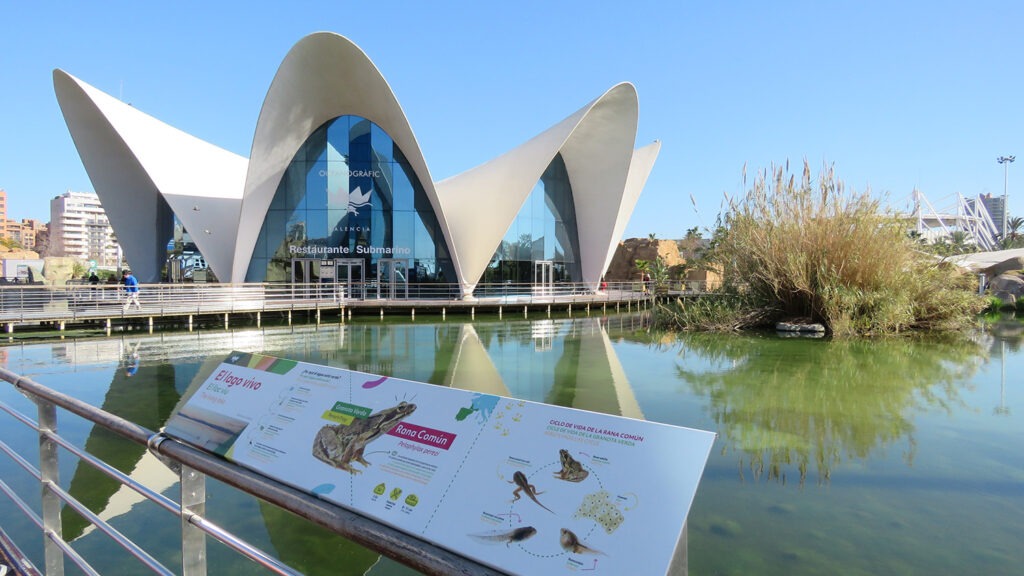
(337, 187)
(383, 184)
(317, 182)
(315, 148)
(544, 229)
(404, 235)
(401, 188)
(349, 193)
(337, 140)
(316, 227)
(382, 145)
(359, 141)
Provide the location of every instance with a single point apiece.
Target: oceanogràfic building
(337, 189)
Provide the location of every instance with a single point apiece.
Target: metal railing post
(49, 476)
(194, 465)
(193, 540)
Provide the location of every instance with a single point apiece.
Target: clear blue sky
(897, 95)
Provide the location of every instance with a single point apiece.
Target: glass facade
(349, 195)
(544, 231)
(350, 201)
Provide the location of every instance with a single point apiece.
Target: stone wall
(58, 270)
(623, 266)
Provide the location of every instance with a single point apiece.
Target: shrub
(993, 304)
(810, 250)
(720, 312)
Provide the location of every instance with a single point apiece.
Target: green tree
(659, 275)
(10, 243)
(643, 267)
(960, 242)
(78, 269)
(691, 243)
(1014, 226)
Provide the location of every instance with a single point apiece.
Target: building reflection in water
(787, 410)
(570, 362)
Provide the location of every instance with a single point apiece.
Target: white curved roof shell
(323, 76)
(141, 166)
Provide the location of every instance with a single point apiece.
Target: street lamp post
(1005, 161)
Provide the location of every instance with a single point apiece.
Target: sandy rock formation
(1008, 287)
(1004, 266)
(623, 266)
(17, 254)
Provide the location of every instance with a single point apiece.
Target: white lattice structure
(967, 215)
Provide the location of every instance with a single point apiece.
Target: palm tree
(643, 267)
(659, 275)
(1013, 230)
(961, 242)
(11, 243)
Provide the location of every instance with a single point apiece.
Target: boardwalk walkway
(64, 306)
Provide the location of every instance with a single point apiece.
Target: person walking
(94, 282)
(132, 360)
(131, 290)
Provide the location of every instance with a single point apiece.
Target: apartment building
(79, 228)
(996, 206)
(27, 233)
(24, 232)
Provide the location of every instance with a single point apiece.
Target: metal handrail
(71, 303)
(192, 466)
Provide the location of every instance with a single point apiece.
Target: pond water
(832, 457)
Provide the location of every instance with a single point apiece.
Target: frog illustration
(523, 485)
(338, 445)
(572, 543)
(507, 537)
(572, 471)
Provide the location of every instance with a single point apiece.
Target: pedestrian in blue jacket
(131, 290)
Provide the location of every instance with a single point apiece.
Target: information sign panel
(527, 488)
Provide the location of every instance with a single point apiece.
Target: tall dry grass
(809, 249)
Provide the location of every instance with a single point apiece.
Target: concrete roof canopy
(143, 169)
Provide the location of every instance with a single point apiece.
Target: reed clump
(803, 249)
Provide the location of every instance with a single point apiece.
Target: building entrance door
(543, 277)
(305, 277)
(350, 273)
(392, 278)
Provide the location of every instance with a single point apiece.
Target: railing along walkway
(62, 305)
(43, 506)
